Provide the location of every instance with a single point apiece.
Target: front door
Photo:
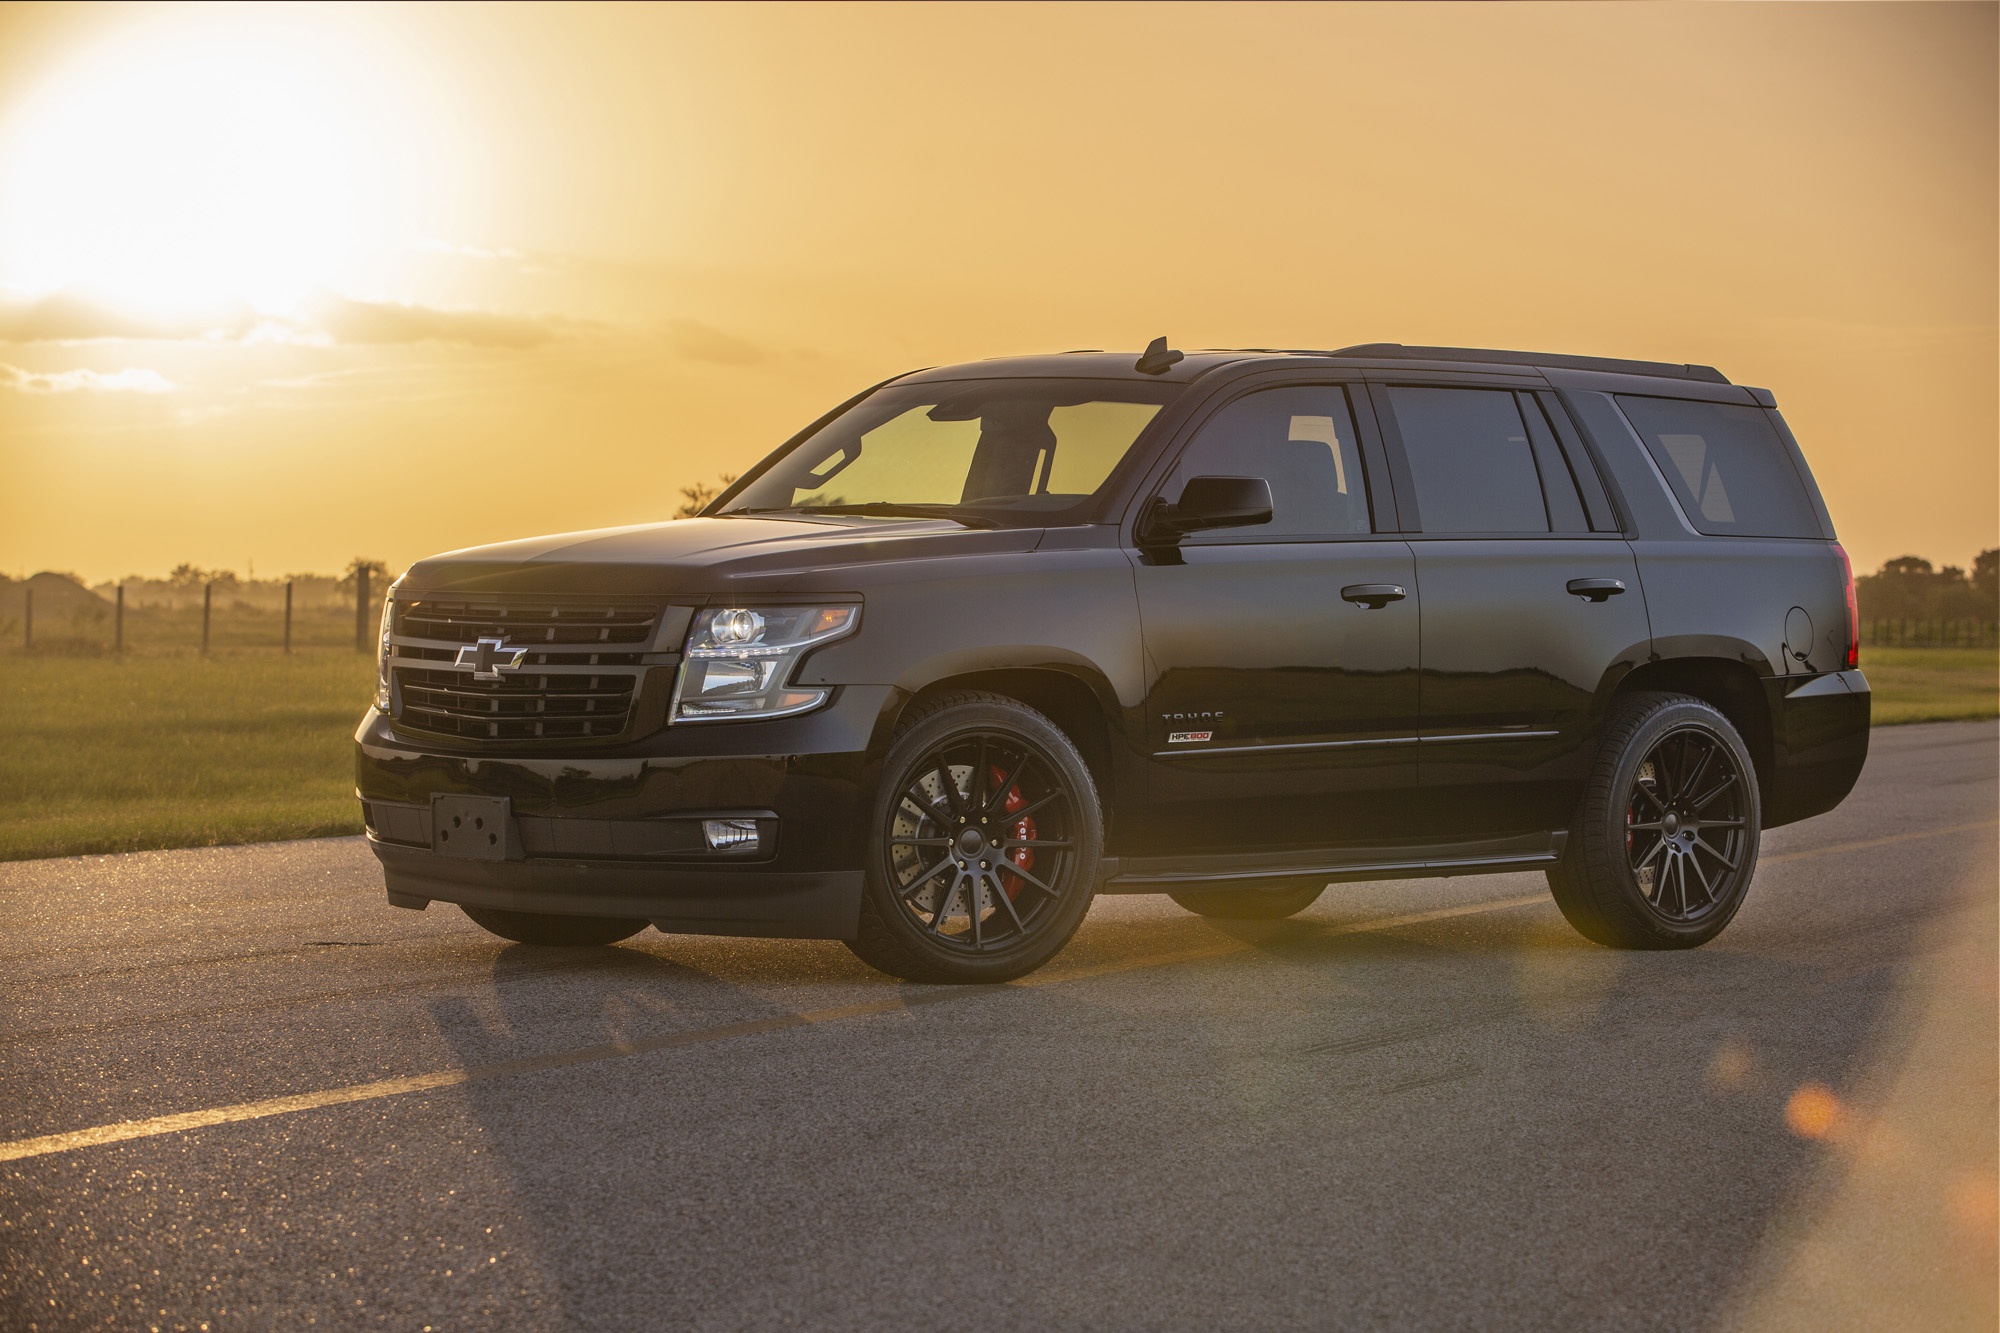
(1529, 616)
(1282, 709)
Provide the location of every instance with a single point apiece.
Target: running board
(1161, 875)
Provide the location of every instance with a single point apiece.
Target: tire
(1638, 872)
(546, 928)
(983, 844)
(1227, 904)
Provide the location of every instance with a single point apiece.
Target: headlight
(383, 698)
(740, 660)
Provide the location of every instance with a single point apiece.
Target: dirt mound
(61, 604)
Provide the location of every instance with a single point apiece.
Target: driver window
(1301, 440)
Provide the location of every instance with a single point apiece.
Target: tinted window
(1470, 458)
(1301, 440)
(1727, 465)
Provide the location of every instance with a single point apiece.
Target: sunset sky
(285, 285)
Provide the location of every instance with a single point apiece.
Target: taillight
(1853, 609)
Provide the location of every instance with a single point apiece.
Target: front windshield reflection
(986, 452)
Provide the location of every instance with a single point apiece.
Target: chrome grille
(581, 674)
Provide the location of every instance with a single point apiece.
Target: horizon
(226, 574)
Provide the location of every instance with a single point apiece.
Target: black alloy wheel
(1685, 828)
(1665, 839)
(978, 840)
(984, 852)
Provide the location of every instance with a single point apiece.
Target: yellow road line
(154, 1126)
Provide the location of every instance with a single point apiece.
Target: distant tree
(194, 576)
(1911, 588)
(699, 494)
(378, 574)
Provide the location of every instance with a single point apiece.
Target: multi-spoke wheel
(984, 852)
(1684, 824)
(1666, 836)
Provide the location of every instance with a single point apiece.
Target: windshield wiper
(887, 509)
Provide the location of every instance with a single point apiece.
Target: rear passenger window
(1727, 465)
(1301, 440)
(1471, 461)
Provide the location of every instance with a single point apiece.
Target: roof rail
(1665, 369)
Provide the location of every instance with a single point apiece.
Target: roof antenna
(1158, 358)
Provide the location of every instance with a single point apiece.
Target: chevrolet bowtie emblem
(489, 657)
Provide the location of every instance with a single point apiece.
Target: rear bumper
(615, 833)
(1819, 743)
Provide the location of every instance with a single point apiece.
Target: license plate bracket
(474, 828)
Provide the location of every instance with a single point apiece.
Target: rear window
(1728, 466)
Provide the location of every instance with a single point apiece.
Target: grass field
(1932, 684)
(110, 754)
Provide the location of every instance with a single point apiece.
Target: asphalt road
(238, 1091)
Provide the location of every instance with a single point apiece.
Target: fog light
(730, 835)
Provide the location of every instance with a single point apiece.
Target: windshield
(986, 451)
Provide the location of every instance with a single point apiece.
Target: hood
(703, 555)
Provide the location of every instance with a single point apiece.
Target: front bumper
(601, 833)
(797, 905)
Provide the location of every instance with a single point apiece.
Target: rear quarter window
(1727, 465)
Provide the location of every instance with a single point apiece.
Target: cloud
(73, 317)
(133, 379)
(702, 342)
(352, 321)
(520, 261)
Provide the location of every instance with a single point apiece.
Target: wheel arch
(1733, 690)
(1071, 699)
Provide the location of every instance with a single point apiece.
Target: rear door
(1282, 707)
(1531, 605)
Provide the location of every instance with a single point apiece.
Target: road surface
(239, 1091)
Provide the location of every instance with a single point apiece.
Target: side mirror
(1205, 503)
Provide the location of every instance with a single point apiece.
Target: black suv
(987, 640)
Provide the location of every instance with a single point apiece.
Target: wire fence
(287, 617)
(1931, 633)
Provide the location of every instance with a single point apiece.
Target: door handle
(1595, 590)
(1374, 596)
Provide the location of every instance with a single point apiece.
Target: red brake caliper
(1023, 857)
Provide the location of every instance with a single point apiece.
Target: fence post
(118, 623)
(288, 615)
(28, 619)
(207, 599)
(361, 609)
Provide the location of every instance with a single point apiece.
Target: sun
(234, 156)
